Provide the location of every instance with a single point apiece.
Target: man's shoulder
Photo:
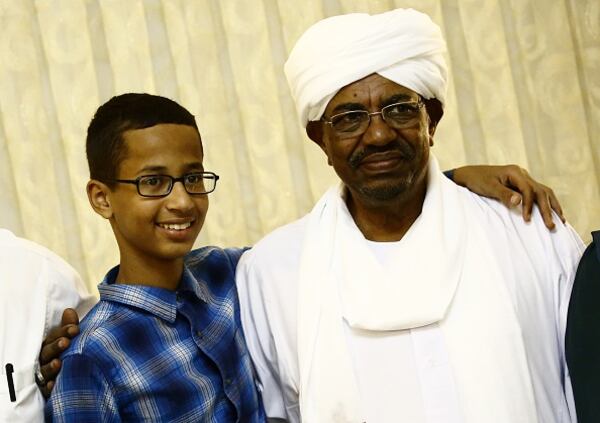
(281, 245)
(503, 224)
(273, 263)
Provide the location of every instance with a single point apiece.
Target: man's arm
(82, 393)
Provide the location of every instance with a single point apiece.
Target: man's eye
(348, 118)
(401, 109)
(353, 117)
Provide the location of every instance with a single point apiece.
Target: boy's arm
(511, 185)
(82, 393)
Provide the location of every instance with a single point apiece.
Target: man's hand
(511, 185)
(56, 342)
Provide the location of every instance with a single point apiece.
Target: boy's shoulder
(102, 328)
(215, 256)
(214, 265)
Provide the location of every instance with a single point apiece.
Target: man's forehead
(371, 88)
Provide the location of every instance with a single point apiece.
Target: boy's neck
(157, 273)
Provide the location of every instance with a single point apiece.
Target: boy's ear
(314, 130)
(99, 196)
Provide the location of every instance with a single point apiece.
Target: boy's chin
(172, 255)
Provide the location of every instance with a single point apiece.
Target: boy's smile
(155, 229)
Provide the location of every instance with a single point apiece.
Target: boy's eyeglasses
(162, 185)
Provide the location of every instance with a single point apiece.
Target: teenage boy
(165, 341)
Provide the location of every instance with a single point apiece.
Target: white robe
(35, 287)
(410, 375)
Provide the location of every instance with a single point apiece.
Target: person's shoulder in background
(32, 271)
(583, 334)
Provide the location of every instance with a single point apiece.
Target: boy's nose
(179, 199)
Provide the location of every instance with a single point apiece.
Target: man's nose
(378, 131)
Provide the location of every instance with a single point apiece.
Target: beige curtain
(525, 89)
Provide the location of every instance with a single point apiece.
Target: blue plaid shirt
(150, 354)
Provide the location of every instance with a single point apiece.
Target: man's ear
(431, 132)
(435, 111)
(314, 130)
(99, 196)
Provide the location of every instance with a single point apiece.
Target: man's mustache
(405, 149)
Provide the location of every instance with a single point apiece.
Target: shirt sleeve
(258, 334)
(82, 393)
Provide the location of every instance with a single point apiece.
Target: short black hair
(105, 148)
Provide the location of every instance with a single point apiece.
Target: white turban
(402, 45)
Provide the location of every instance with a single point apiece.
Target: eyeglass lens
(398, 115)
(159, 185)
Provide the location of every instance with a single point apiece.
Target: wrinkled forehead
(373, 91)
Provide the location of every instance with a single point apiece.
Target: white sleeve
(259, 338)
(65, 289)
(36, 286)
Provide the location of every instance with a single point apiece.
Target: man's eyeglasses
(162, 185)
(355, 122)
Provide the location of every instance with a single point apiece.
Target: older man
(401, 297)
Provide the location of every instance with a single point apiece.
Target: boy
(165, 342)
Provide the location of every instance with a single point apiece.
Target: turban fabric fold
(402, 45)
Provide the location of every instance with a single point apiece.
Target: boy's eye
(193, 178)
(151, 181)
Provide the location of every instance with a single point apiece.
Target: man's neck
(390, 220)
(157, 273)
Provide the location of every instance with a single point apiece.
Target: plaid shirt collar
(159, 301)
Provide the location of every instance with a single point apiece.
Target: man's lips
(383, 161)
(399, 151)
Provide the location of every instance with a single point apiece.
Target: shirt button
(199, 334)
(227, 382)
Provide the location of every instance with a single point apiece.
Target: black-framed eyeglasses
(162, 185)
(355, 122)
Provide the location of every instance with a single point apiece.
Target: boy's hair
(105, 148)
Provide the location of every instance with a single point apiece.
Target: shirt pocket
(29, 404)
